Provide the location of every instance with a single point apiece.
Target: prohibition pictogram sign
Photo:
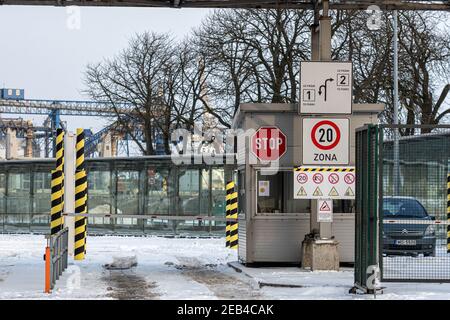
(302, 178)
(325, 135)
(317, 178)
(333, 178)
(349, 178)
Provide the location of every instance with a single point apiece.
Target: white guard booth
(272, 224)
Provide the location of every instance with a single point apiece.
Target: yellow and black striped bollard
(232, 200)
(80, 221)
(80, 198)
(60, 162)
(229, 190)
(56, 220)
(448, 213)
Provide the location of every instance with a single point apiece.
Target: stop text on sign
(268, 143)
(326, 141)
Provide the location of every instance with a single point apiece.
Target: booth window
(344, 206)
(241, 192)
(275, 194)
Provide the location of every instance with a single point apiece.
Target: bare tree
(423, 64)
(137, 78)
(254, 56)
(189, 94)
(239, 56)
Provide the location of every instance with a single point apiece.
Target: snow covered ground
(174, 269)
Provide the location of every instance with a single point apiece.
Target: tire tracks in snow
(222, 285)
(127, 285)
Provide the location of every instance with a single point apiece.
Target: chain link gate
(402, 203)
(366, 236)
(413, 235)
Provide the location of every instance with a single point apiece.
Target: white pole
(69, 187)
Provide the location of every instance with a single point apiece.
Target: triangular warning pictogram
(325, 207)
(349, 192)
(302, 192)
(317, 192)
(333, 192)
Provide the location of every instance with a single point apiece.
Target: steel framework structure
(72, 108)
(290, 4)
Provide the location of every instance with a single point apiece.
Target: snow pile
(122, 263)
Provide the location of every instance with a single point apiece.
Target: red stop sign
(268, 143)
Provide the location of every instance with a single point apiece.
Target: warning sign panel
(324, 183)
(325, 141)
(325, 211)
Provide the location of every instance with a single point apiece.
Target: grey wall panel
(242, 238)
(278, 240)
(344, 232)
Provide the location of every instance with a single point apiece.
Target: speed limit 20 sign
(326, 141)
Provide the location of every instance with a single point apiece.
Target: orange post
(47, 270)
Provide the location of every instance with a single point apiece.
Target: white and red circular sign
(317, 178)
(268, 143)
(325, 135)
(326, 141)
(333, 178)
(302, 178)
(349, 178)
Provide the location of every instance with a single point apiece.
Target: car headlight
(430, 231)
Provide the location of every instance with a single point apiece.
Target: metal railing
(56, 257)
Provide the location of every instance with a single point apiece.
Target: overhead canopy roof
(294, 4)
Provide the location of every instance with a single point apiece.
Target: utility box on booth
(272, 224)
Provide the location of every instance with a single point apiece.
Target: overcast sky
(39, 53)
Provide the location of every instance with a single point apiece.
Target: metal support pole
(325, 33)
(325, 228)
(315, 39)
(396, 171)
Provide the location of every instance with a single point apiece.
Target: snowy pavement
(175, 269)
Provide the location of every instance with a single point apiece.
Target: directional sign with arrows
(323, 89)
(326, 87)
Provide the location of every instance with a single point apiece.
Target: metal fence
(56, 257)
(402, 204)
(414, 166)
(366, 240)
